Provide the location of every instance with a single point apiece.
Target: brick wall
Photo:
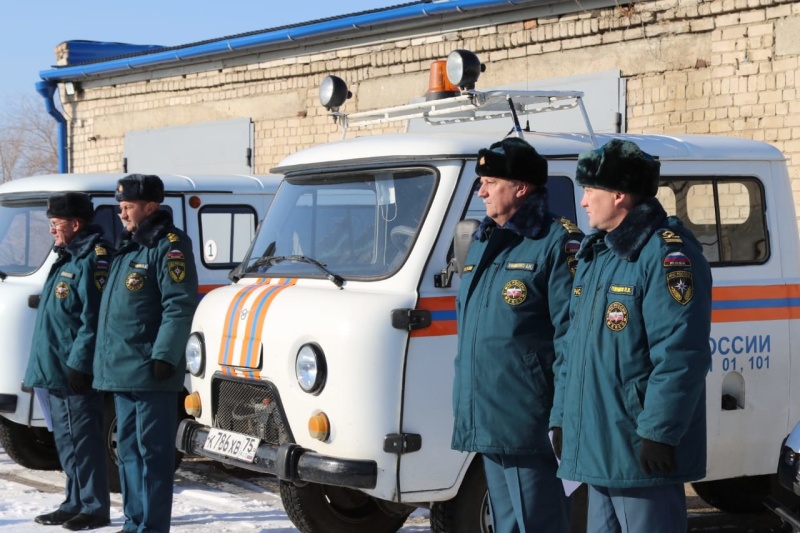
(724, 67)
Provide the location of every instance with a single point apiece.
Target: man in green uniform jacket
(145, 320)
(630, 394)
(61, 359)
(512, 310)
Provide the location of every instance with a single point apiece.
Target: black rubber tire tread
(465, 512)
(32, 448)
(736, 496)
(311, 511)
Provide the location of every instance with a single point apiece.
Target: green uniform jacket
(147, 309)
(66, 321)
(637, 354)
(512, 311)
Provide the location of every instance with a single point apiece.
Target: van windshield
(357, 225)
(25, 239)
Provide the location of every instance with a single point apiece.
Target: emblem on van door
(243, 314)
(62, 290)
(514, 292)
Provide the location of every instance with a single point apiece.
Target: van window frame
(723, 241)
(231, 209)
(567, 184)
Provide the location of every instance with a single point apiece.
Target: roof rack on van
(473, 106)
(452, 103)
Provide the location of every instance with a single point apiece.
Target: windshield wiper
(274, 259)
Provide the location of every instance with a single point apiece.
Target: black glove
(657, 457)
(162, 370)
(557, 442)
(78, 382)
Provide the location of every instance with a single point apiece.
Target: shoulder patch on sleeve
(676, 260)
(670, 237)
(173, 237)
(100, 250)
(681, 286)
(177, 270)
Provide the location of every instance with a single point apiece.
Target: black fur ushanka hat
(512, 158)
(70, 205)
(619, 166)
(145, 187)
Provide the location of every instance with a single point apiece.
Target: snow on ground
(206, 500)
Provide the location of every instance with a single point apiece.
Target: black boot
(86, 521)
(56, 518)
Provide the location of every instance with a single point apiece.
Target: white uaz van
(220, 214)
(329, 363)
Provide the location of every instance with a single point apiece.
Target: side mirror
(462, 240)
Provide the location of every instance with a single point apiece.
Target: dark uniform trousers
(146, 428)
(659, 509)
(515, 482)
(78, 432)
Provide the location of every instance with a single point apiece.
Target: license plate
(231, 444)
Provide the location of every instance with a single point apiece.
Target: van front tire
(468, 512)
(315, 508)
(29, 447)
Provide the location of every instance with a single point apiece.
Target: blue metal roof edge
(287, 34)
(82, 51)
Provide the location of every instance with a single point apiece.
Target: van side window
(107, 217)
(225, 233)
(560, 194)
(727, 215)
(25, 240)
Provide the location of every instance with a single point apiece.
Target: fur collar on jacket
(628, 239)
(530, 220)
(83, 242)
(151, 229)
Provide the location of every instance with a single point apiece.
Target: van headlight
(310, 368)
(195, 354)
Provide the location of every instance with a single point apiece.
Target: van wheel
(468, 512)
(110, 438)
(29, 447)
(737, 495)
(315, 508)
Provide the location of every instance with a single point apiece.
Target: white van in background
(329, 363)
(220, 214)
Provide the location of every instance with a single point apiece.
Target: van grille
(250, 407)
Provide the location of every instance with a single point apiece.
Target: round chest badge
(616, 316)
(134, 281)
(62, 290)
(514, 292)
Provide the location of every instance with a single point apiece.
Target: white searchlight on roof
(463, 69)
(333, 93)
